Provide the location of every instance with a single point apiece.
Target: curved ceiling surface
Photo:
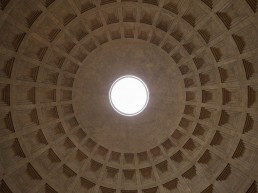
(58, 131)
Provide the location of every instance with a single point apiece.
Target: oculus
(129, 95)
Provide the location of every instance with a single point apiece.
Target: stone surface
(58, 132)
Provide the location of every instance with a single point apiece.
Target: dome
(60, 132)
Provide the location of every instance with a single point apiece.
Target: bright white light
(129, 95)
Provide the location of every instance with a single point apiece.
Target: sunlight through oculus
(129, 95)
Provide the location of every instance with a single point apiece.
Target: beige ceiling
(58, 132)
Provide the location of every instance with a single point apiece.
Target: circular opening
(129, 95)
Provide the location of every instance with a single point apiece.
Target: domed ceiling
(58, 131)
